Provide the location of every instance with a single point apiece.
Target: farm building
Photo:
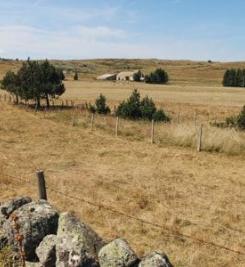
(107, 77)
(126, 75)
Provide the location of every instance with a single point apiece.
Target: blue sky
(166, 29)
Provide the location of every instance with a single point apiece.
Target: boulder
(35, 220)
(155, 259)
(46, 251)
(7, 208)
(3, 240)
(117, 254)
(77, 244)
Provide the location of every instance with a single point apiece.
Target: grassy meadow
(168, 183)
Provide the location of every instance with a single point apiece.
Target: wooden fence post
(199, 139)
(92, 121)
(195, 119)
(41, 185)
(117, 125)
(152, 131)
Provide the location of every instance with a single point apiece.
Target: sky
(87, 29)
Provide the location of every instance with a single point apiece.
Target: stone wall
(49, 238)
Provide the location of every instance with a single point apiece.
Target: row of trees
(234, 78)
(133, 108)
(159, 76)
(35, 81)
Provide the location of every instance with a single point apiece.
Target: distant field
(180, 71)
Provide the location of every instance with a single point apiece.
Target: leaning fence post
(41, 185)
(199, 139)
(92, 121)
(152, 131)
(117, 125)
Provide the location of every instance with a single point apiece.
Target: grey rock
(46, 251)
(117, 254)
(3, 240)
(36, 220)
(155, 259)
(77, 244)
(7, 208)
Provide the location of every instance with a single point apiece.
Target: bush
(235, 121)
(234, 78)
(147, 108)
(159, 76)
(241, 119)
(137, 76)
(100, 106)
(160, 115)
(134, 108)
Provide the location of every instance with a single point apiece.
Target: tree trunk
(17, 99)
(38, 104)
(47, 100)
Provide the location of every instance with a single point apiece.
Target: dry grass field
(168, 183)
(198, 194)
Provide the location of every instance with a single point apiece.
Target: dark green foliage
(35, 80)
(241, 119)
(134, 108)
(147, 108)
(160, 115)
(137, 76)
(159, 76)
(76, 76)
(100, 106)
(234, 78)
(131, 108)
(11, 83)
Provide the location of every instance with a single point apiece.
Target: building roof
(106, 76)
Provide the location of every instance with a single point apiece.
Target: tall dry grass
(224, 140)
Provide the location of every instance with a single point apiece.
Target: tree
(35, 81)
(11, 84)
(101, 106)
(76, 76)
(131, 107)
(234, 78)
(147, 108)
(137, 76)
(134, 108)
(159, 76)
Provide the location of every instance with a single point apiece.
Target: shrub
(130, 108)
(159, 76)
(134, 108)
(234, 78)
(100, 106)
(241, 119)
(160, 115)
(147, 108)
(137, 76)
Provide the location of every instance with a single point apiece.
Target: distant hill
(184, 72)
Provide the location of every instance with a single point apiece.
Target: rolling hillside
(181, 72)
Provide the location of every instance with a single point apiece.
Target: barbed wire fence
(43, 187)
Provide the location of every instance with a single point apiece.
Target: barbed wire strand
(173, 232)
